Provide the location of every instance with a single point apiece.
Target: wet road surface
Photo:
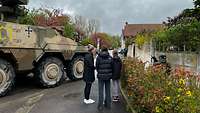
(67, 98)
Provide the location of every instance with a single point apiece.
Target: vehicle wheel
(76, 68)
(7, 75)
(49, 72)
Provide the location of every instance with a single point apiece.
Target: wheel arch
(70, 65)
(78, 54)
(10, 58)
(50, 54)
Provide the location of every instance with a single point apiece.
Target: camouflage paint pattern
(28, 43)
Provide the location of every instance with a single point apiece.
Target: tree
(186, 15)
(93, 26)
(115, 40)
(86, 27)
(182, 31)
(185, 36)
(44, 17)
(53, 18)
(197, 3)
(80, 28)
(81, 25)
(106, 40)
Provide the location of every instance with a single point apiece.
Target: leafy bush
(152, 90)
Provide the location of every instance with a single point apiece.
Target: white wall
(143, 53)
(130, 51)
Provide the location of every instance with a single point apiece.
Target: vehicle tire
(76, 68)
(7, 76)
(49, 72)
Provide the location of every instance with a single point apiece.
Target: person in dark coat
(104, 75)
(89, 73)
(117, 66)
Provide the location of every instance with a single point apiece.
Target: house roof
(131, 30)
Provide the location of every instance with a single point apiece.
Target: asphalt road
(67, 98)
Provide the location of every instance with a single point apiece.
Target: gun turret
(11, 9)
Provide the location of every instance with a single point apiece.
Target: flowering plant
(155, 91)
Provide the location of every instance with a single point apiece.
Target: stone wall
(190, 61)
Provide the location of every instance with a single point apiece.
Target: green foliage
(129, 41)
(44, 17)
(115, 40)
(182, 31)
(197, 3)
(183, 36)
(186, 15)
(28, 17)
(143, 38)
(69, 30)
(140, 40)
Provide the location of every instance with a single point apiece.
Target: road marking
(2, 105)
(28, 106)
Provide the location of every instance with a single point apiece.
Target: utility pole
(98, 44)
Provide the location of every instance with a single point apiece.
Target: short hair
(104, 48)
(115, 52)
(90, 47)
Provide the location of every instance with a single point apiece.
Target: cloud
(112, 14)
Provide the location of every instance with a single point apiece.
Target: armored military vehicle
(43, 51)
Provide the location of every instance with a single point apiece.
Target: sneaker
(115, 99)
(85, 101)
(90, 101)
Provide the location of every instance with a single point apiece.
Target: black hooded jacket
(104, 66)
(88, 75)
(117, 66)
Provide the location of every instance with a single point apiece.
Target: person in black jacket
(104, 75)
(117, 66)
(89, 73)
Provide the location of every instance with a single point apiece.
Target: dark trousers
(87, 90)
(106, 84)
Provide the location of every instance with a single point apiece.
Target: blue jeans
(106, 84)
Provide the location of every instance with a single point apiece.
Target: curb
(127, 101)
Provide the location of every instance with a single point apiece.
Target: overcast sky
(113, 14)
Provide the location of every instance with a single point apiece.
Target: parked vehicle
(43, 51)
